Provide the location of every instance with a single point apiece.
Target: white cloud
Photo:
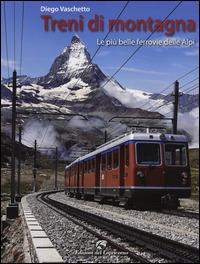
(188, 121)
(194, 52)
(131, 69)
(178, 65)
(10, 63)
(103, 53)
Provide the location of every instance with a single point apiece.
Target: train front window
(175, 155)
(148, 153)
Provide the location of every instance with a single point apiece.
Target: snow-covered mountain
(75, 85)
(70, 65)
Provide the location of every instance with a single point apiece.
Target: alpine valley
(74, 85)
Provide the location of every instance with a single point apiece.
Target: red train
(138, 168)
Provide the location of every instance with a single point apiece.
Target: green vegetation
(194, 164)
(45, 178)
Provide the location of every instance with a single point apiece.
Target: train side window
(81, 167)
(115, 158)
(87, 170)
(85, 166)
(89, 166)
(109, 160)
(93, 165)
(103, 162)
(175, 154)
(127, 155)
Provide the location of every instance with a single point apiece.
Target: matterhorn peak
(75, 39)
(70, 64)
(75, 42)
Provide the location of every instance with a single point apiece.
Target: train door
(103, 174)
(97, 174)
(121, 171)
(82, 176)
(78, 177)
(69, 175)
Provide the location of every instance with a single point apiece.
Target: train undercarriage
(132, 198)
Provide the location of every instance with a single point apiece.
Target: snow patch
(133, 98)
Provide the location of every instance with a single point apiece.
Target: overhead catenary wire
(196, 99)
(97, 50)
(6, 39)
(160, 106)
(189, 82)
(194, 88)
(156, 96)
(126, 61)
(133, 54)
(151, 108)
(186, 90)
(163, 96)
(14, 39)
(189, 89)
(22, 32)
(124, 7)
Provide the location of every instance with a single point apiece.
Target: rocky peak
(71, 63)
(75, 39)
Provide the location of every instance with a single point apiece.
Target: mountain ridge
(77, 86)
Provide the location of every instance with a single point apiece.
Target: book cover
(99, 99)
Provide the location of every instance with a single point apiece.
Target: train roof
(132, 136)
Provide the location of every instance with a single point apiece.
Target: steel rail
(112, 243)
(180, 213)
(170, 249)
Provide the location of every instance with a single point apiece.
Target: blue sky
(151, 70)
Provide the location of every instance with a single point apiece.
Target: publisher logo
(100, 247)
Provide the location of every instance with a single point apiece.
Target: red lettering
(46, 20)
(93, 24)
(149, 22)
(191, 27)
(62, 25)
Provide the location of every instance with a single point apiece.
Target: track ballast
(167, 248)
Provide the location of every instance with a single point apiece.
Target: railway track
(173, 251)
(64, 212)
(181, 213)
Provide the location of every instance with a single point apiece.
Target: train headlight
(140, 174)
(184, 175)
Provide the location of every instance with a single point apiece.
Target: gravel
(75, 244)
(181, 229)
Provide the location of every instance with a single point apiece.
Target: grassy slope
(45, 167)
(194, 164)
